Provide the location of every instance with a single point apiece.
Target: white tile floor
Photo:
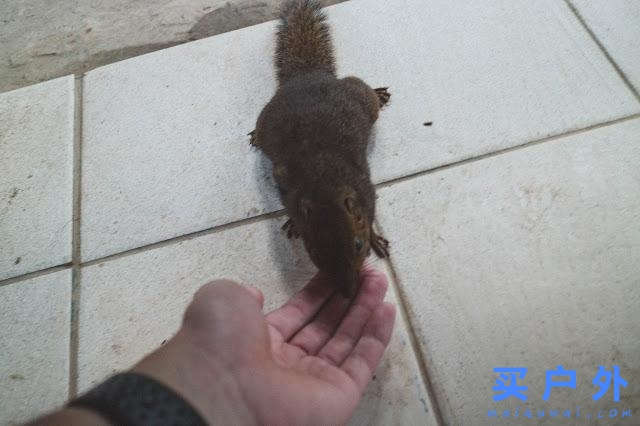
(536, 241)
(36, 162)
(541, 243)
(34, 360)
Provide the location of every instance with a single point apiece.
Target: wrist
(211, 389)
(71, 417)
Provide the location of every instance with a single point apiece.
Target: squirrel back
(303, 41)
(315, 130)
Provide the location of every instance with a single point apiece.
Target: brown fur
(315, 130)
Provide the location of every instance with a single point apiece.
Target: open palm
(307, 362)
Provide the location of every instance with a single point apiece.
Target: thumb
(256, 294)
(221, 300)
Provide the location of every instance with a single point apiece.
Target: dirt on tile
(16, 376)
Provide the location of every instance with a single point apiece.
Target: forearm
(182, 367)
(201, 381)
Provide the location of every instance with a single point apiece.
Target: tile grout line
(157, 244)
(212, 230)
(403, 309)
(34, 274)
(281, 212)
(75, 239)
(604, 51)
(499, 152)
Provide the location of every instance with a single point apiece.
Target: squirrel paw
(254, 140)
(383, 95)
(290, 228)
(380, 245)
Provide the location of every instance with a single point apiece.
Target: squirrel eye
(358, 243)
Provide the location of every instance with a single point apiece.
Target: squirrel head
(336, 234)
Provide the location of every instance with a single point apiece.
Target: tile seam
(185, 237)
(545, 139)
(75, 240)
(403, 309)
(35, 274)
(603, 49)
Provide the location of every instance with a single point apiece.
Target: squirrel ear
(350, 204)
(304, 208)
(354, 210)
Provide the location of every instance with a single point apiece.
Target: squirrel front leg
(379, 245)
(253, 140)
(373, 99)
(383, 95)
(290, 228)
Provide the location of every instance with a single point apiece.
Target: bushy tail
(303, 41)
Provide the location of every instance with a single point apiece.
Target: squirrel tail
(303, 41)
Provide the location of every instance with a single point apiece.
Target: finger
(366, 355)
(298, 311)
(287, 355)
(371, 295)
(315, 335)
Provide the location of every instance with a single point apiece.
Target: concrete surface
(34, 360)
(120, 322)
(36, 154)
(509, 247)
(172, 123)
(40, 39)
(531, 258)
(615, 24)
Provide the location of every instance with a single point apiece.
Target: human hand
(307, 362)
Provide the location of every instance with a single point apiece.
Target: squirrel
(315, 130)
